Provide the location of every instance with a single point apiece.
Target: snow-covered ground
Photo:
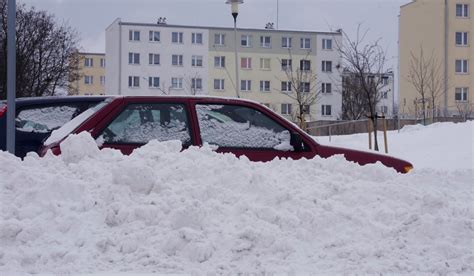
(162, 210)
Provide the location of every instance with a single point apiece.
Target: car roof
(55, 100)
(189, 97)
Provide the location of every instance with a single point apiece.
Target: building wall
(96, 72)
(423, 25)
(113, 57)
(118, 47)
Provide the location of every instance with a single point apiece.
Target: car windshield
(61, 133)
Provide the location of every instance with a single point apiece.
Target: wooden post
(329, 133)
(385, 132)
(369, 131)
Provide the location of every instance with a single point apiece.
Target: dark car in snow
(37, 117)
(235, 126)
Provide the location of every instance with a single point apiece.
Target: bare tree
(301, 86)
(465, 109)
(45, 54)
(354, 102)
(192, 83)
(436, 81)
(418, 76)
(367, 63)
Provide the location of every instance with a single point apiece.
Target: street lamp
(235, 11)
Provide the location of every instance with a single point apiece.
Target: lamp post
(11, 75)
(235, 11)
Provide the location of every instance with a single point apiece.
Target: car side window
(140, 123)
(240, 127)
(45, 119)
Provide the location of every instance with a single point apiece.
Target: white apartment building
(157, 59)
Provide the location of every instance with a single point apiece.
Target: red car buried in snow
(236, 126)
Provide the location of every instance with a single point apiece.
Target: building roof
(96, 54)
(165, 25)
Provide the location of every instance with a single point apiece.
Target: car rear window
(59, 134)
(45, 119)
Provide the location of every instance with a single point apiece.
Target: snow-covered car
(235, 126)
(37, 117)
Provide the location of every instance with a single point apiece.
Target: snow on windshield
(59, 134)
(140, 123)
(241, 127)
(44, 119)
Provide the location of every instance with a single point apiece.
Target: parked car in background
(36, 117)
(236, 126)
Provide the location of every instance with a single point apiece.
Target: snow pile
(445, 146)
(162, 210)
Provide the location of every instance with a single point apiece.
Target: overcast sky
(91, 17)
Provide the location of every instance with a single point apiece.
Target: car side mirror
(296, 141)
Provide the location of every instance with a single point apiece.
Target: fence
(328, 128)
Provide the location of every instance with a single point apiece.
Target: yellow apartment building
(444, 30)
(92, 75)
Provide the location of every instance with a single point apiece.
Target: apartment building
(91, 75)
(444, 30)
(157, 59)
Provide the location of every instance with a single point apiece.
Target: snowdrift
(162, 210)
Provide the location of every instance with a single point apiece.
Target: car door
(245, 130)
(138, 123)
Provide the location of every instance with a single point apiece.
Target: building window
(102, 80)
(196, 38)
(306, 109)
(218, 84)
(154, 59)
(246, 40)
(219, 39)
(384, 80)
(133, 58)
(286, 86)
(264, 86)
(327, 44)
(133, 35)
(196, 61)
(305, 87)
(133, 81)
(102, 62)
(177, 83)
(154, 36)
(326, 66)
(88, 62)
(265, 42)
(286, 42)
(462, 39)
(384, 95)
(153, 82)
(462, 10)
(177, 60)
(196, 83)
(246, 63)
(88, 79)
(384, 109)
(326, 110)
(326, 88)
(305, 43)
(265, 63)
(245, 85)
(286, 109)
(219, 62)
(305, 65)
(460, 94)
(177, 37)
(286, 64)
(462, 66)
